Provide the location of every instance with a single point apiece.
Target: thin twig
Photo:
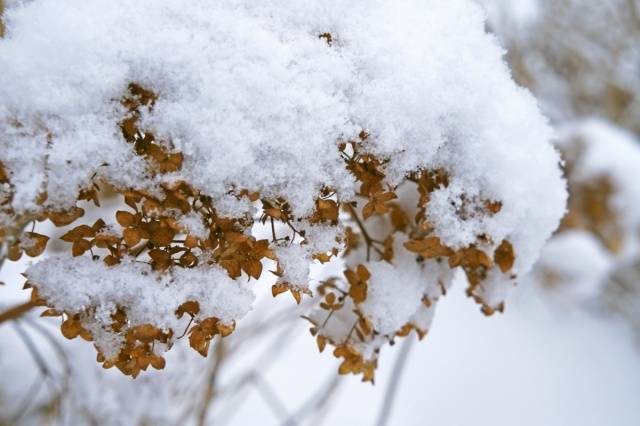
(55, 343)
(271, 398)
(31, 394)
(316, 402)
(392, 388)
(332, 392)
(267, 357)
(33, 350)
(363, 230)
(16, 312)
(210, 391)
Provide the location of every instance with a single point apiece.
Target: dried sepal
(358, 283)
(65, 218)
(504, 256)
(37, 244)
(354, 363)
(428, 247)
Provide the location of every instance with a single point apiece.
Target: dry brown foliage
(151, 232)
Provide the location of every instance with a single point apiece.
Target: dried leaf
(190, 307)
(428, 248)
(161, 259)
(493, 207)
(253, 268)
(78, 233)
(277, 289)
(322, 342)
(70, 328)
(65, 218)
(125, 218)
(51, 313)
(157, 362)
(162, 236)
(188, 260)
(15, 252)
(132, 236)
(80, 247)
(37, 244)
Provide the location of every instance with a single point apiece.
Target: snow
(597, 267)
(590, 67)
(193, 225)
(578, 265)
(395, 292)
(394, 295)
(295, 260)
(526, 361)
(254, 99)
(77, 284)
(610, 151)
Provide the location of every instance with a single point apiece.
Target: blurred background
(565, 352)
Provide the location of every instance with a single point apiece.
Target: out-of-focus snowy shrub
(579, 57)
(595, 254)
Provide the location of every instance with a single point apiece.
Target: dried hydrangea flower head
(387, 136)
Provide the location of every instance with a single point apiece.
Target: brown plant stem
(16, 311)
(1, 23)
(363, 230)
(210, 390)
(394, 382)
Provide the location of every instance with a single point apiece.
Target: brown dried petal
(504, 256)
(125, 218)
(38, 244)
(65, 218)
(80, 247)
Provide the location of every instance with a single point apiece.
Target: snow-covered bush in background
(579, 57)
(387, 134)
(595, 254)
(582, 60)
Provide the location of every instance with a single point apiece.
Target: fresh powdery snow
(256, 95)
(150, 297)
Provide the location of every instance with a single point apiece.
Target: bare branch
(392, 387)
(16, 312)
(210, 391)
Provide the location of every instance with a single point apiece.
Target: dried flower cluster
(353, 316)
(178, 227)
(369, 161)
